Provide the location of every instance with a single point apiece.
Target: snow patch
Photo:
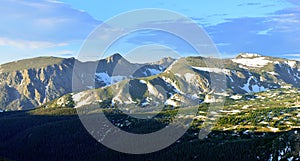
(103, 77)
(236, 97)
(257, 62)
(273, 73)
(143, 82)
(152, 72)
(291, 63)
(214, 70)
(255, 87)
(172, 83)
(146, 102)
(109, 80)
(171, 103)
(233, 111)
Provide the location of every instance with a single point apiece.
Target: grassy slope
(30, 63)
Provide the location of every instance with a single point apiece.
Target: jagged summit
(115, 57)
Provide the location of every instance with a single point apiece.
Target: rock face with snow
(260, 73)
(117, 81)
(248, 73)
(170, 88)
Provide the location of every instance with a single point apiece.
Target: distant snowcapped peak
(248, 55)
(251, 60)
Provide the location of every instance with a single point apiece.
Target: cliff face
(29, 83)
(27, 88)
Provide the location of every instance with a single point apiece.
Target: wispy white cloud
(273, 34)
(287, 22)
(48, 24)
(44, 20)
(62, 53)
(24, 44)
(265, 32)
(292, 55)
(31, 28)
(54, 1)
(250, 4)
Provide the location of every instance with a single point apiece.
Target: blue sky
(31, 28)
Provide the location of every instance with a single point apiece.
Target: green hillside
(32, 63)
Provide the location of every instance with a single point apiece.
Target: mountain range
(30, 83)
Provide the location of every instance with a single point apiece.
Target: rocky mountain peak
(114, 58)
(24, 84)
(165, 62)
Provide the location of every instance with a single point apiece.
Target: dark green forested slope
(57, 134)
